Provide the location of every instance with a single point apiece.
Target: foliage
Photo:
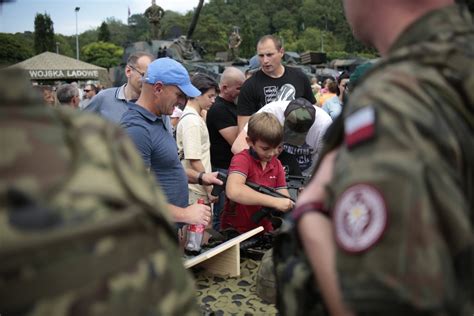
(102, 54)
(86, 37)
(302, 24)
(470, 5)
(173, 25)
(13, 50)
(44, 33)
(104, 33)
(137, 28)
(118, 32)
(212, 36)
(64, 45)
(338, 55)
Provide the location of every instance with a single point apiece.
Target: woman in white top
(192, 136)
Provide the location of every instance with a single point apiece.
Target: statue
(234, 42)
(183, 49)
(154, 15)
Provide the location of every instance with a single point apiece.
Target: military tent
(51, 66)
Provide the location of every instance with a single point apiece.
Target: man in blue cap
(165, 85)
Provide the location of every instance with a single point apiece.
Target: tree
(118, 31)
(138, 27)
(470, 5)
(212, 36)
(283, 19)
(44, 33)
(171, 22)
(13, 49)
(85, 38)
(102, 54)
(104, 33)
(64, 45)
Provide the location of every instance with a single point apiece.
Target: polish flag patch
(360, 126)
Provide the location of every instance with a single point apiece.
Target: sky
(19, 15)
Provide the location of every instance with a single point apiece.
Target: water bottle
(194, 236)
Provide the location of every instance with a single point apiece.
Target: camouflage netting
(232, 295)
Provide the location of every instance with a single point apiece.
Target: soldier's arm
(316, 234)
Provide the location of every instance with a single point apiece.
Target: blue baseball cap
(171, 72)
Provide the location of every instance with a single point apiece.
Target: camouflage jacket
(83, 228)
(402, 193)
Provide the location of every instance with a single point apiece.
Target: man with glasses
(89, 93)
(166, 85)
(112, 103)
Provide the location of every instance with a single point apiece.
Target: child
(258, 164)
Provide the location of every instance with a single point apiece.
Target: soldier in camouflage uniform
(83, 228)
(387, 221)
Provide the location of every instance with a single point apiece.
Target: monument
(234, 42)
(154, 14)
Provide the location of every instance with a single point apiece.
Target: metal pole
(322, 41)
(77, 35)
(322, 35)
(57, 47)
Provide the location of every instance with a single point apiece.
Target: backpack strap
(181, 152)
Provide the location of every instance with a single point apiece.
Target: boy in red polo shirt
(258, 164)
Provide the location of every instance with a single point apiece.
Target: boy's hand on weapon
(283, 204)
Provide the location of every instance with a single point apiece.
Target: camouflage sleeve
(113, 252)
(397, 209)
(171, 286)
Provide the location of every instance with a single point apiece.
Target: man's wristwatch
(200, 178)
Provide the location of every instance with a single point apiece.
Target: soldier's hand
(283, 205)
(198, 214)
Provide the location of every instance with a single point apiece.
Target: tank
(183, 49)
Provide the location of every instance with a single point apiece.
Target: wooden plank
(225, 257)
(224, 263)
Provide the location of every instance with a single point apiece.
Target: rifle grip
(261, 214)
(217, 189)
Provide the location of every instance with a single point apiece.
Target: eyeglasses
(138, 71)
(86, 90)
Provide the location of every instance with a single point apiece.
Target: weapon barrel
(195, 19)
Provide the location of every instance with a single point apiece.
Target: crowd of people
(385, 224)
(53, 96)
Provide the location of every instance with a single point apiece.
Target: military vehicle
(183, 49)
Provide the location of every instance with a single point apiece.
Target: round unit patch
(360, 218)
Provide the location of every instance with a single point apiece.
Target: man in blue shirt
(113, 102)
(165, 85)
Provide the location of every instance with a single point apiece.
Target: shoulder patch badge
(360, 126)
(360, 218)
